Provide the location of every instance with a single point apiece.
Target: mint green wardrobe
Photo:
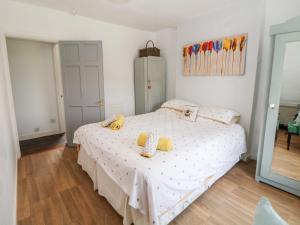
(149, 83)
(275, 162)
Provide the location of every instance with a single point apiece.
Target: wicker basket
(149, 51)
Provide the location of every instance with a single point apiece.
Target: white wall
(8, 155)
(120, 47)
(34, 89)
(120, 44)
(234, 92)
(167, 40)
(276, 12)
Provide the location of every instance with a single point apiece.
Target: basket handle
(149, 42)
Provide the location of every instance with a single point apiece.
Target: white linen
(177, 104)
(222, 115)
(119, 200)
(155, 185)
(111, 191)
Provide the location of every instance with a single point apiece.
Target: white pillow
(189, 113)
(222, 115)
(177, 104)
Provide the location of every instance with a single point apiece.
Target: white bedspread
(155, 185)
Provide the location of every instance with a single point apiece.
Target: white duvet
(155, 185)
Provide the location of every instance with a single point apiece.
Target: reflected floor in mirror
(287, 162)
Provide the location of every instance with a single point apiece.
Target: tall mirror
(286, 155)
(279, 153)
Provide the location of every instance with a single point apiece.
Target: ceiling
(142, 14)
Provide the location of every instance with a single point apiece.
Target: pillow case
(177, 104)
(189, 113)
(218, 114)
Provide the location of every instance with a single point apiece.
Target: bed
(155, 190)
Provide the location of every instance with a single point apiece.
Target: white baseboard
(37, 135)
(16, 192)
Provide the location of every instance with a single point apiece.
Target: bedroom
(44, 188)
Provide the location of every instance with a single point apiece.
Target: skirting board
(38, 135)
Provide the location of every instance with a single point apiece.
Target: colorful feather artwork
(197, 57)
(216, 65)
(209, 51)
(203, 50)
(223, 56)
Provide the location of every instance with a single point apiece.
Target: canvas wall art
(224, 56)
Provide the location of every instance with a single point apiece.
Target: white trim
(11, 106)
(28, 36)
(59, 88)
(16, 194)
(37, 135)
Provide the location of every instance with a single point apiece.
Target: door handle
(100, 102)
(271, 105)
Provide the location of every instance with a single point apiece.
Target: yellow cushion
(142, 138)
(164, 144)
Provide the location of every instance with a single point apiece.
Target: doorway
(79, 89)
(37, 93)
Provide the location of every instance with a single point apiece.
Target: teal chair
(293, 128)
(266, 215)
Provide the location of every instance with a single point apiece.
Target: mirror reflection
(286, 156)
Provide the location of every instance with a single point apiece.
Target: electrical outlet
(36, 129)
(52, 120)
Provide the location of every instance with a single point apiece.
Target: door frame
(8, 85)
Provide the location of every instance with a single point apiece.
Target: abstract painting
(224, 56)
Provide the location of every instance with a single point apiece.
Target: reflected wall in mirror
(286, 156)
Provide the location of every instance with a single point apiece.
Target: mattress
(155, 187)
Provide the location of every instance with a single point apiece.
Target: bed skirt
(107, 188)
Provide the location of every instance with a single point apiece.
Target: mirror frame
(279, 36)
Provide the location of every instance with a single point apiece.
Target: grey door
(82, 73)
(156, 81)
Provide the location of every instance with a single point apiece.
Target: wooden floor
(287, 162)
(53, 190)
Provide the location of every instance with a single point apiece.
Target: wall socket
(36, 129)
